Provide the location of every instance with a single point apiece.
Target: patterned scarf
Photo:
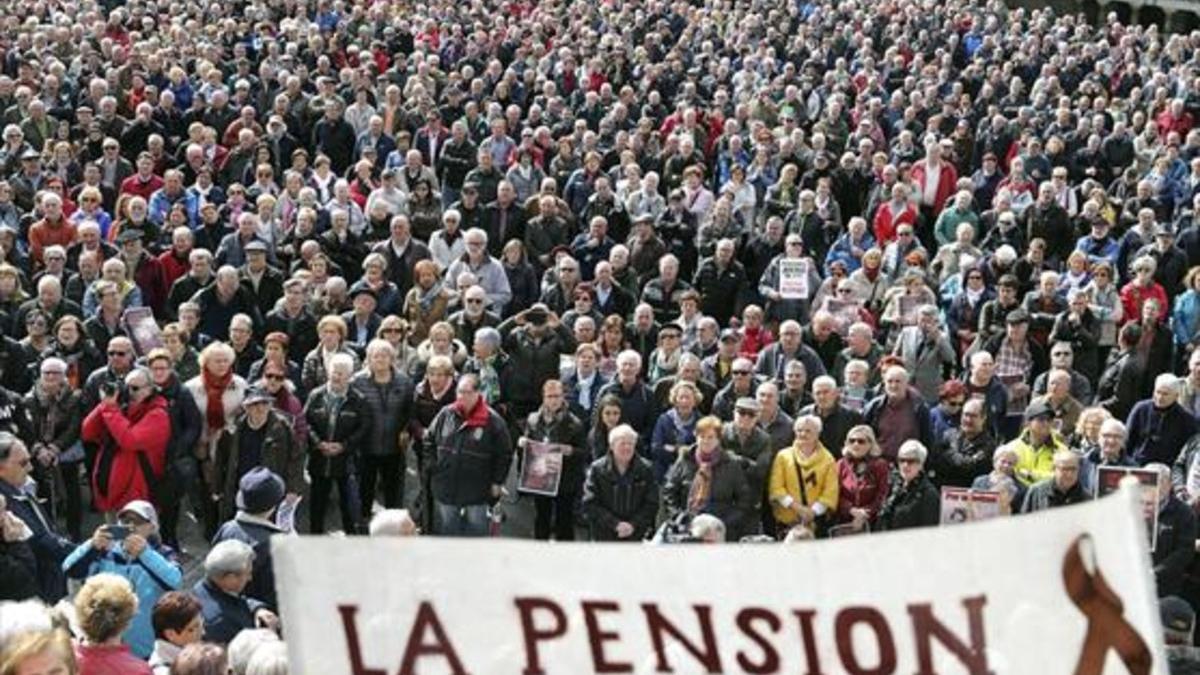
(702, 484)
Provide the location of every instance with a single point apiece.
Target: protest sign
(142, 329)
(1077, 597)
(793, 279)
(541, 468)
(964, 505)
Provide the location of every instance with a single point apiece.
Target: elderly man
(49, 549)
(534, 340)
(1060, 489)
(1175, 545)
(638, 407)
(772, 361)
(220, 301)
(1058, 396)
(338, 423)
(620, 495)
(1110, 452)
(467, 452)
(926, 351)
(227, 611)
(772, 418)
(747, 441)
(1159, 427)
(836, 419)
(1062, 357)
(898, 414)
(132, 442)
(260, 492)
(968, 449)
(198, 277)
(487, 270)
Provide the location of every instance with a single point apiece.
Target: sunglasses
(117, 353)
(745, 413)
(908, 460)
(741, 372)
(858, 441)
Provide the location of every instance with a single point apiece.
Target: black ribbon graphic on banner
(1107, 628)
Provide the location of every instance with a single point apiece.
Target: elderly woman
(913, 501)
(803, 485)
(387, 396)
(395, 330)
(177, 623)
(434, 391)
(675, 429)
(339, 423)
(72, 345)
(331, 331)
(387, 294)
(186, 360)
(1086, 435)
(226, 611)
(1003, 478)
(707, 479)
(1141, 289)
(138, 556)
(105, 608)
(447, 244)
(113, 270)
(492, 366)
(620, 497)
(862, 480)
(39, 652)
(218, 393)
(441, 342)
(427, 302)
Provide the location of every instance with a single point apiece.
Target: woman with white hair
(913, 500)
(227, 612)
(218, 392)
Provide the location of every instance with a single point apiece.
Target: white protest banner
(793, 279)
(1063, 591)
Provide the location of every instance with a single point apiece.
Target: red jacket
(947, 183)
(174, 268)
(886, 222)
(1134, 296)
(144, 429)
(867, 491)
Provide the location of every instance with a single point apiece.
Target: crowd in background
(749, 270)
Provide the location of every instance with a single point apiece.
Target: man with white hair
(1158, 426)
(620, 495)
(1110, 452)
(638, 407)
(487, 269)
(228, 567)
(1062, 488)
(222, 300)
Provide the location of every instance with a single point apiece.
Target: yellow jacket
(1035, 464)
(820, 483)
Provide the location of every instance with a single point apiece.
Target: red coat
(867, 491)
(1134, 296)
(144, 429)
(886, 222)
(947, 183)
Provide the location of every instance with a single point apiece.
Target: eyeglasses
(858, 441)
(745, 413)
(907, 460)
(115, 352)
(275, 378)
(741, 373)
(954, 404)
(975, 276)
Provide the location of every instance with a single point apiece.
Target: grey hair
(489, 336)
(19, 618)
(341, 359)
(270, 659)
(915, 447)
(706, 524)
(228, 557)
(622, 431)
(393, 523)
(245, 645)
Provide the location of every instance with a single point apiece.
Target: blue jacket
(49, 549)
(670, 431)
(841, 251)
(1185, 317)
(152, 574)
(160, 204)
(225, 615)
(1157, 435)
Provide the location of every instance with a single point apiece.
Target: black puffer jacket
(465, 462)
(610, 497)
(532, 360)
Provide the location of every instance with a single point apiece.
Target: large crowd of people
(724, 271)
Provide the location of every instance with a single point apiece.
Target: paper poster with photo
(844, 311)
(142, 329)
(793, 279)
(964, 505)
(541, 468)
(1108, 479)
(1016, 404)
(908, 306)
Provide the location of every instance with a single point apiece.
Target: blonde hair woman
(39, 652)
(104, 608)
(218, 393)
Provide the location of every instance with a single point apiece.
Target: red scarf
(474, 418)
(214, 391)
